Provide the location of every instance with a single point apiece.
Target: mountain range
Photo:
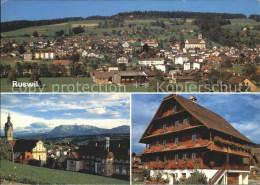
(75, 130)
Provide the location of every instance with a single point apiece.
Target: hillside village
(133, 54)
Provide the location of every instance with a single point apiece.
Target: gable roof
(195, 41)
(236, 79)
(208, 118)
(21, 145)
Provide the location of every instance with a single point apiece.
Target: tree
(35, 34)
(35, 77)
(21, 49)
(78, 30)
(145, 48)
(196, 178)
(121, 67)
(5, 154)
(249, 69)
(11, 77)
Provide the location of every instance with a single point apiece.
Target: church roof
(22, 145)
(208, 118)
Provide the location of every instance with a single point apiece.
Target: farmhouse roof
(236, 79)
(208, 118)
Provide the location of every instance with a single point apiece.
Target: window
(164, 143)
(193, 156)
(184, 175)
(164, 127)
(157, 143)
(176, 140)
(184, 157)
(157, 158)
(174, 108)
(123, 170)
(193, 137)
(185, 121)
(176, 124)
(165, 158)
(148, 146)
(176, 157)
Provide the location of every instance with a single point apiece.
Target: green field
(40, 175)
(68, 84)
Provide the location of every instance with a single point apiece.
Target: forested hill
(14, 25)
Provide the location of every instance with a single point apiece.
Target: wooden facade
(183, 135)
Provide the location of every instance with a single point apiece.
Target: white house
(152, 61)
(125, 45)
(122, 60)
(163, 68)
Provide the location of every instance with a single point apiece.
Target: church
(195, 43)
(23, 151)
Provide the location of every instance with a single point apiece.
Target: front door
(233, 178)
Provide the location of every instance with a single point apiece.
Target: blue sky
(241, 110)
(46, 111)
(36, 10)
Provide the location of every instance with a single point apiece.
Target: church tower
(9, 129)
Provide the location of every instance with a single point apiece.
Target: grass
(239, 68)
(69, 84)
(40, 175)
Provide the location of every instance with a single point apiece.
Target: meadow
(39, 175)
(69, 84)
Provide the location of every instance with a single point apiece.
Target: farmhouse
(128, 77)
(23, 151)
(184, 135)
(243, 81)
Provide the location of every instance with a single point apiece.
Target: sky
(43, 112)
(37, 10)
(241, 110)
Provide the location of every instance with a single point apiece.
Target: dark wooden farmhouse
(183, 136)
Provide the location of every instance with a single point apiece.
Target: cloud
(25, 122)
(36, 126)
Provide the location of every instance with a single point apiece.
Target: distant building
(195, 43)
(151, 61)
(128, 77)
(27, 56)
(122, 60)
(105, 160)
(152, 42)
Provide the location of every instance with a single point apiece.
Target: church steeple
(9, 128)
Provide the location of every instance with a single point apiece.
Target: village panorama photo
(195, 139)
(65, 139)
(133, 46)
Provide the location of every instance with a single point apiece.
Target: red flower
(190, 144)
(190, 164)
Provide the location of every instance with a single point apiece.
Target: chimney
(193, 99)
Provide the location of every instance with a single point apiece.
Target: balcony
(170, 130)
(180, 146)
